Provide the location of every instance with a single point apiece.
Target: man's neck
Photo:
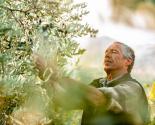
(114, 74)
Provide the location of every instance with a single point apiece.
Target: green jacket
(127, 103)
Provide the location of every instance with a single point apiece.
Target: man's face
(114, 59)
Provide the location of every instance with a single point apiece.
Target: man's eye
(114, 51)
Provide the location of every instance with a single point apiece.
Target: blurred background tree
(131, 11)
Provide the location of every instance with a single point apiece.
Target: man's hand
(47, 71)
(40, 64)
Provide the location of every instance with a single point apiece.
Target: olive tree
(47, 28)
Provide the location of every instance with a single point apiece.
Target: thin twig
(10, 9)
(18, 21)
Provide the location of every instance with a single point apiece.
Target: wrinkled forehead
(115, 46)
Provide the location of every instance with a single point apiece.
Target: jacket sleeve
(122, 97)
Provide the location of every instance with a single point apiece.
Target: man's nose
(107, 55)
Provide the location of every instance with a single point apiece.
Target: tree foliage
(46, 27)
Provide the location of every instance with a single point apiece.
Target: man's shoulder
(134, 83)
(128, 79)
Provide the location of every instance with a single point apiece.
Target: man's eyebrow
(115, 49)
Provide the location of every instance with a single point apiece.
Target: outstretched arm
(73, 94)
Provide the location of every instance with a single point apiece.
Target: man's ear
(128, 62)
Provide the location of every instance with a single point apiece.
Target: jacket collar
(118, 80)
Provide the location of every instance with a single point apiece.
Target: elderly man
(117, 99)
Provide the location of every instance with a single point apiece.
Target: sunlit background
(128, 21)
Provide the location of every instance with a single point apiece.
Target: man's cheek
(116, 59)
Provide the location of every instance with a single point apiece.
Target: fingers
(39, 61)
(47, 69)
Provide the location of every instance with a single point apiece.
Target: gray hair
(128, 53)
